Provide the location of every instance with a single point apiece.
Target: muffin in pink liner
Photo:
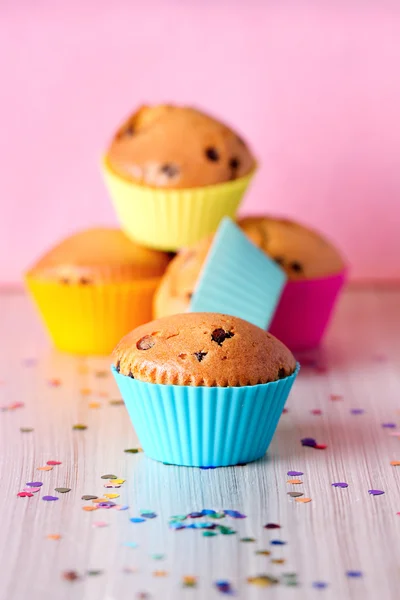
(314, 269)
(304, 311)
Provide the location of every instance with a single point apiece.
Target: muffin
(173, 173)
(93, 287)
(203, 389)
(315, 271)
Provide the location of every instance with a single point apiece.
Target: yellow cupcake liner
(91, 319)
(168, 219)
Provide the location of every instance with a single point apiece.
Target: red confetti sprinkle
(24, 495)
(53, 462)
(54, 382)
(335, 397)
(316, 411)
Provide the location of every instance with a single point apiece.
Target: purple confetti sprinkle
(353, 573)
(389, 425)
(137, 520)
(49, 498)
(35, 484)
(195, 515)
(376, 492)
(320, 585)
(357, 411)
(341, 484)
(294, 473)
(224, 587)
(235, 514)
(106, 504)
(309, 442)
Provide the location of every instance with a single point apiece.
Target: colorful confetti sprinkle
(209, 533)
(247, 539)
(376, 492)
(389, 425)
(79, 427)
(99, 524)
(263, 580)
(46, 468)
(93, 573)
(111, 496)
(49, 498)
(53, 463)
(133, 450)
(54, 382)
(62, 490)
(89, 497)
(294, 473)
(316, 411)
(335, 397)
(263, 552)
(25, 495)
(131, 544)
(86, 391)
(34, 484)
(277, 543)
(354, 573)
(32, 490)
(235, 514)
(289, 579)
(158, 556)
(160, 573)
(357, 411)
(272, 526)
(189, 581)
(108, 476)
(295, 494)
(320, 585)
(117, 481)
(224, 587)
(278, 561)
(340, 484)
(303, 500)
(53, 536)
(395, 463)
(148, 514)
(137, 520)
(89, 508)
(26, 429)
(94, 405)
(294, 481)
(70, 575)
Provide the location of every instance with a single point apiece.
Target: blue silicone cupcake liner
(238, 279)
(204, 426)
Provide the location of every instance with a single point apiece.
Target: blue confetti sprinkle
(224, 587)
(131, 544)
(177, 525)
(354, 574)
(148, 514)
(137, 520)
(277, 542)
(235, 514)
(357, 411)
(206, 511)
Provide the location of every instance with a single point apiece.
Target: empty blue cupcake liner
(204, 426)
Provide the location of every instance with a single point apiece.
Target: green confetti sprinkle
(209, 533)
(226, 530)
(246, 539)
(94, 572)
(178, 518)
(108, 476)
(217, 515)
(158, 556)
(133, 450)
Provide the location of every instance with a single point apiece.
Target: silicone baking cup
(91, 319)
(168, 219)
(304, 311)
(204, 426)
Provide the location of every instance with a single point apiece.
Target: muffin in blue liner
(204, 389)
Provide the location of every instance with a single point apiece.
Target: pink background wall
(314, 86)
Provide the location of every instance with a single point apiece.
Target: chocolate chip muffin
(203, 349)
(94, 287)
(99, 255)
(177, 147)
(300, 251)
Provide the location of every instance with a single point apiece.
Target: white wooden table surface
(340, 530)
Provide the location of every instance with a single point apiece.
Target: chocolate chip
(129, 130)
(281, 373)
(279, 260)
(189, 295)
(212, 154)
(169, 170)
(145, 343)
(234, 163)
(84, 281)
(131, 375)
(117, 366)
(200, 355)
(220, 335)
(296, 267)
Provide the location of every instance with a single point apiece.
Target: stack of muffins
(197, 386)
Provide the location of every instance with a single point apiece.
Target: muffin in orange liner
(94, 287)
(173, 173)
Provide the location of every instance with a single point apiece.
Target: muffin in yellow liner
(93, 287)
(173, 173)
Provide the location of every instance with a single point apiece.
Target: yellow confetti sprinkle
(117, 481)
(294, 481)
(189, 581)
(160, 573)
(53, 536)
(111, 496)
(395, 463)
(86, 391)
(79, 427)
(262, 580)
(94, 404)
(45, 468)
(89, 508)
(302, 500)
